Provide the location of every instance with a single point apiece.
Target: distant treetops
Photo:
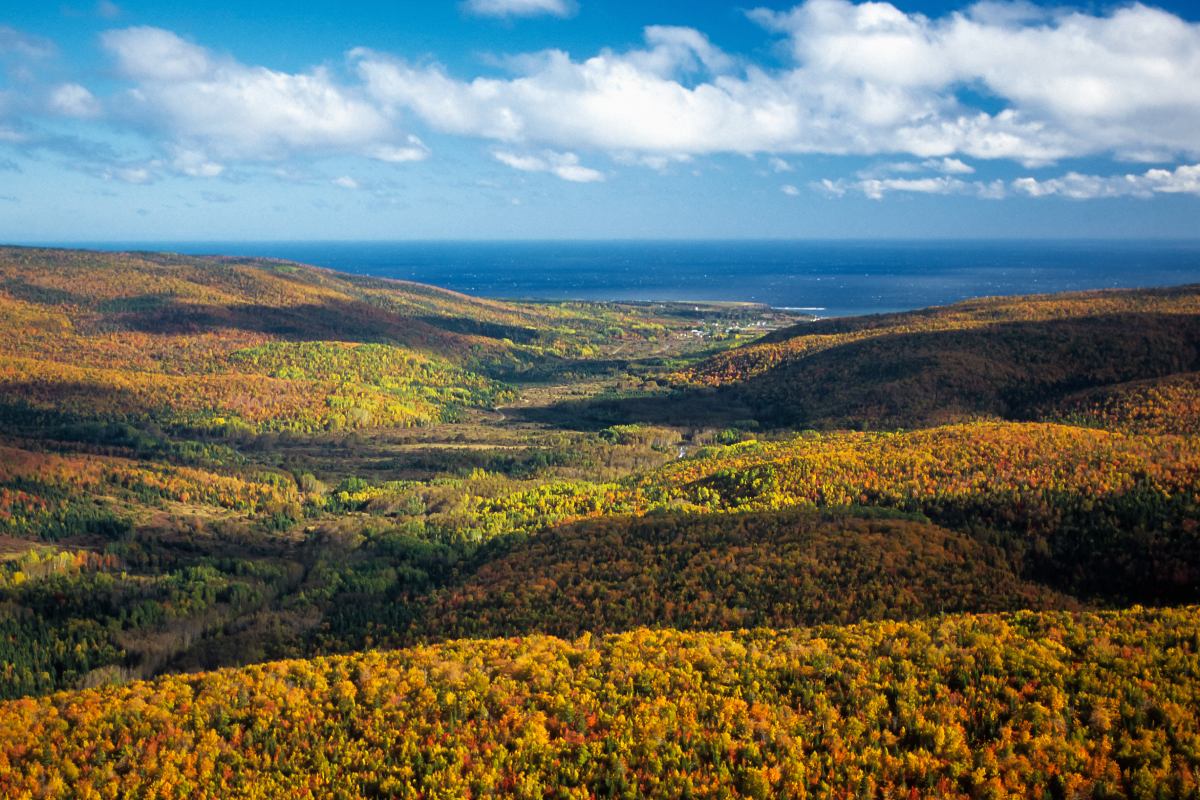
(1022, 705)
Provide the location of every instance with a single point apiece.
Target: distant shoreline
(831, 278)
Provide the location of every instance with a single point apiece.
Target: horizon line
(85, 243)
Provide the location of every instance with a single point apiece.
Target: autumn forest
(270, 530)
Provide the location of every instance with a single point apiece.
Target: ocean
(833, 278)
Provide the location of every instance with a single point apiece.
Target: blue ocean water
(834, 278)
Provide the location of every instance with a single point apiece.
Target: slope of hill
(1030, 705)
(1097, 512)
(1163, 405)
(807, 338)
(219, 343)
(722, 572)
(162, 418)
(997, 358)
(1091, 511)
(218, 462)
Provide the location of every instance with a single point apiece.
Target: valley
(588, 549)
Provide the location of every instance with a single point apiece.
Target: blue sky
(531, 119)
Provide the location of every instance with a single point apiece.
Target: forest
(272, 530)
(1048, 704)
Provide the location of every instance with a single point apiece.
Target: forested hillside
(1162, 405)
(182, 439)
(1004, 358)
(255, 344)
(895, 556)
(714, 572)
(1029, 705)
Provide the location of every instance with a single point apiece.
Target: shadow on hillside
(476, 327)
(688, 408)
(333, 320)
(1009, 370)
(18, 399)
(553, 370)
(42, 295)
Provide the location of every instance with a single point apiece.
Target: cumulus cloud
(346, 182)
(520, 8)
(217, 108)
(73, 100)
(863, 79)
(562, 165)
(1087, 83)
(859, 79)
(789, 190)
(1181, 180)
(158, 55)
(631, 102)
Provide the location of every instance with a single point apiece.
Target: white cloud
(520, 8)
(523, 163)
(858, 79)
(1181, 180)
(563, 165)
(346, 182)
(875, 189)
(196, 164)
(1098, 83)
(878, 188)
(219, 108)
(950, 166)
(864, 79)
(412, 150)
(789, 190)
(1073, 185)
(945, 166)
(613, 103)
(154, 54)
(73, 100)
(674, 49)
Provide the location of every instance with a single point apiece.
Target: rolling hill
(1000, 358)
(1158, 405)
(1051, 704)
(256, 344)
(724, 572)
(890, 556)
